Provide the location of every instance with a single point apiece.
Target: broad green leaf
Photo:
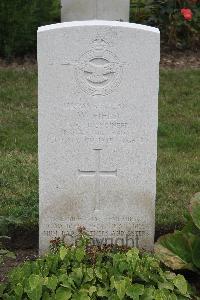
(63, 294)
(8, 297)
(113, 296)
(81, 295)
(19, 290)
(77, 275)
(123, 265)
(101, 273)
(196, 253)
(34, 290)
(181, 297)
(161, 295)
(3, 251)
(172, 297)
(35, 293)
(63, 252)
(2, 288)
(133, 253)
(67, 281)
(132, 257)
(169, 275)
(148, 293)
(190, 227)
(135, 291)
(89, 275)
(35, 280)
(102, 292)
(52, 282)
(174, 250)
(98, 273)
(112, 282)
(166, 285)
(46, 296)
(80, 254)
(195, 209)
(181, 284)
(92, 290)
(11, 255)
(120, 287)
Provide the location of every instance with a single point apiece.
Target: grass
(178, 145)
(18, 145)
(178, 176)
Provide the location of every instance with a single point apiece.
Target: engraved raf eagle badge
(98, 71)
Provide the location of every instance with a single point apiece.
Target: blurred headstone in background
(80, 10)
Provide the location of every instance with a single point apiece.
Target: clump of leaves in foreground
(3, 231)
(181, 249)
(4, 252)
(78, 273)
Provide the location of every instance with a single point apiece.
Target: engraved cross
(98, 174)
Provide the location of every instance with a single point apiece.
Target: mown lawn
(178, 145)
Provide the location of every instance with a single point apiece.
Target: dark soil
(23, 239)
(180, 59)
(24, 243)
(21, 256)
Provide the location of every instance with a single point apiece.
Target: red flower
(187, 13)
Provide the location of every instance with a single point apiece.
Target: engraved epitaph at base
(98, 90)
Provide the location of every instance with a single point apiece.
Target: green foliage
(177, 31)
(181, 250)
(19, 20)
(4, 222)
(140, 11)
(78, 273)
(5, 253)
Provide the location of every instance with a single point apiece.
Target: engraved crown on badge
(99, 44)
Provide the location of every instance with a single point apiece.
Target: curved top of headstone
(80, 10)
(98, 23)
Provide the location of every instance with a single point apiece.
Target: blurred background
(178, 21)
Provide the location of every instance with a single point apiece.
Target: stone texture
(80, 10)
(98, 90)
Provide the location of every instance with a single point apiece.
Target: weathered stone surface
(98, 89)
(80, 10)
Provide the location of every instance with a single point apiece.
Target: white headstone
(98, 90)
(80, 10)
